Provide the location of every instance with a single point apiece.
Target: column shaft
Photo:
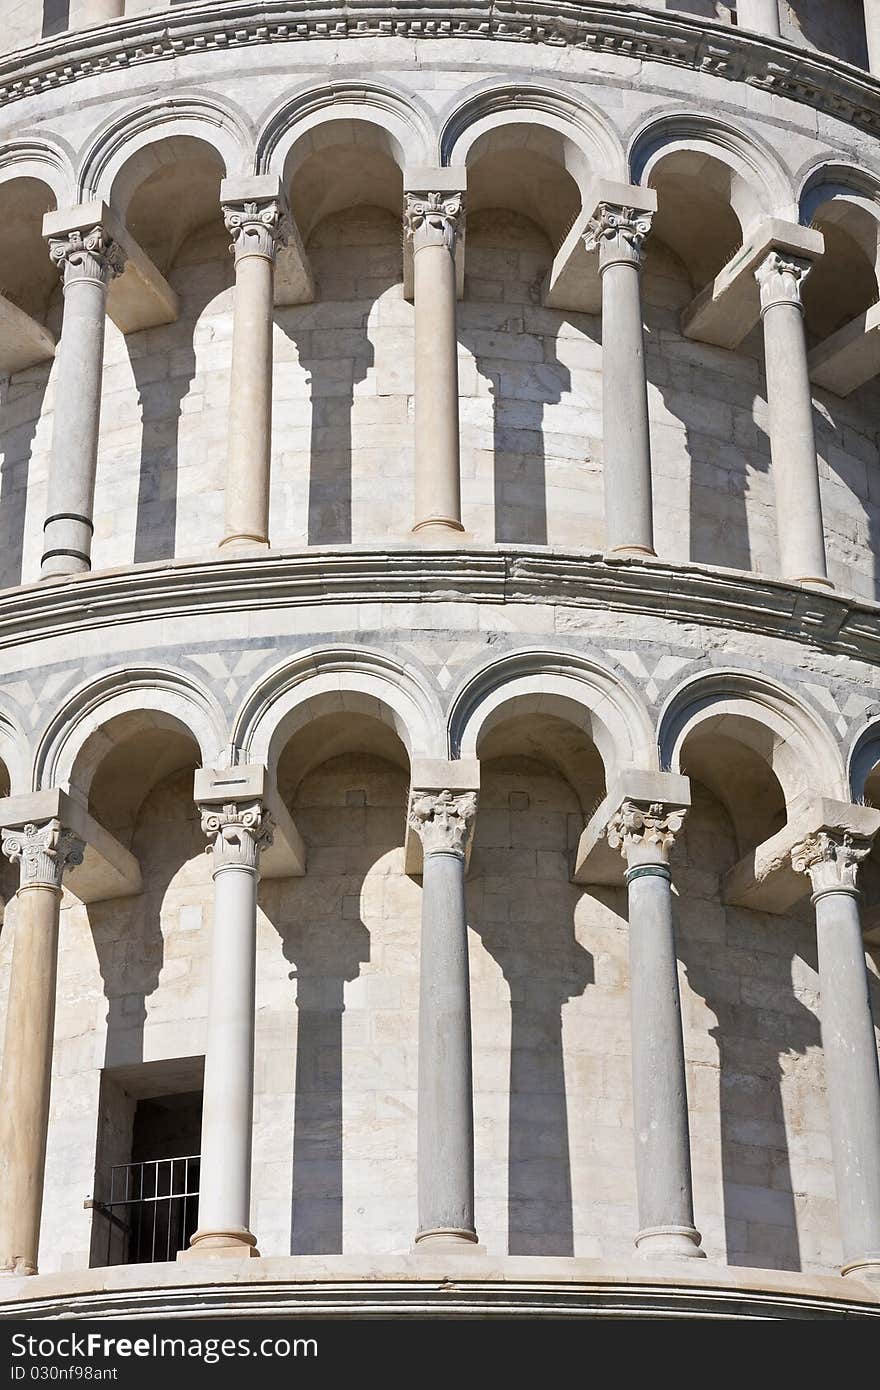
(619, 233)
(762, 16)
(852, 1077)
(258, 229)
(238, 834)
(43, 852)
(872, 34)
(26, 1077)
(446, 1113)
(644, 834)
(792, 438)
(432, 223)
(89, 263)
(99, 12)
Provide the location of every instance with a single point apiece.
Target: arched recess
(755, 745)
(14, 757)
(573, 690)
(714, 185)
(330, 682)
(843, 203)
(863, 765)
(103, 713)
(35, 177)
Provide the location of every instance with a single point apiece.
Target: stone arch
(843, 202)
(42, 160)
(760, 185)
(14, 753)
(72, 745)
(119, 158)
(789, 737)
(332, 680)
(575, 689)
(863, 758)
(590, 143)
(398, 116)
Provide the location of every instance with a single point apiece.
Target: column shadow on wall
(17, 445)
(853, 471)
(324, 955)
(161, 406)
(332, 381)
(544, 970)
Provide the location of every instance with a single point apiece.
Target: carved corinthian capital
(90, 255)
(443, 821)
(780, 278)
(237, 832)
(433, 219)
(257, 228)
(643, 832)
(43, 852)
(618, 234)
(832, 859)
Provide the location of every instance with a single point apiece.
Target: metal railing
(152, 1209)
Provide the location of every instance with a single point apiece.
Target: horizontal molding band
(774, 65)
(63, 605)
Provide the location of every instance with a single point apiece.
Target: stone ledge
(491, 575)
(773, 65)
(437, 1285)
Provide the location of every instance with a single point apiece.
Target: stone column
(44, 852)
(790, 403)
(444, 823)
(618, 233)
(761, 16)
(432, 221)
(237, 832)
(852, 1078)
(645, 834)
(872, 34)
(258, 229)
(93, 12)
(88, 261)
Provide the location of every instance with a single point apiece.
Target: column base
(635, 551)
(438, 529)
(236, 1244)
(670, 1243)
(19, 1269)
(244, 543)
(866, 1267)
(818, 581)
(452, 1239)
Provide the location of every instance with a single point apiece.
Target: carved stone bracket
(433, 219)
(258, 228)
(643, 831)
(618, 234)
(237, 832)
(780, 279)
(444, 821)
(43, 852)
(832, 860)
(93, 255)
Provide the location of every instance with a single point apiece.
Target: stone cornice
(781, 68)
(488, 575)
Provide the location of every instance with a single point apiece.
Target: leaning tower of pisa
(440, 658)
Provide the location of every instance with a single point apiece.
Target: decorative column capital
(832, 859)
(258, 228)
(645, 832)
(93, 256)
(780, 278)
(43, 852)
(433, 219)
(444, 820)
(237, 831)
(618, 233)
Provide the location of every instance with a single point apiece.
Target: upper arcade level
(847, 29)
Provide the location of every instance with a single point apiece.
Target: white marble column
(851, 1072)
(88, 261)
(43, 852)
(92, 12)
(444, 823)
(237, 831)
(259, 227)
(872, 34)
(618, 233)
(761, 16)
(432, 221)
(644, 834)
(790, 404)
